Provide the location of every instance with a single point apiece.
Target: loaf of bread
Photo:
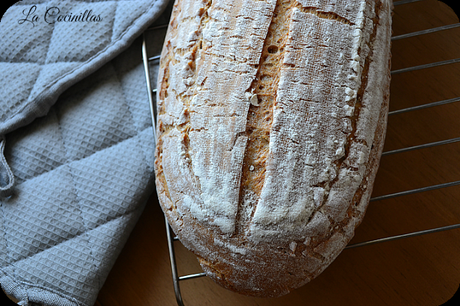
(271, 123)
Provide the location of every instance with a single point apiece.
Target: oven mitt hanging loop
(6, 175)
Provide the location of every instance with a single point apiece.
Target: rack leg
(172, 258)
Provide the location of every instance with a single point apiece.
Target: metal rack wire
(171, 238)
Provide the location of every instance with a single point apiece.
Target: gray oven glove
(76, 145)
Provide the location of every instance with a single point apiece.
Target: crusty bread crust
(271, 123)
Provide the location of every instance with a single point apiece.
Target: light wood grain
(423, 270)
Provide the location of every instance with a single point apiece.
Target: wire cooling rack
(151, 64)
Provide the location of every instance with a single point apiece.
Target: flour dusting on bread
(271, 121)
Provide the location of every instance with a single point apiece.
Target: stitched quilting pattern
(63, 52)
(32, 224)
(28, 48)
(83, 172)
(19, 75)
(29, 158)
(66, 44)
(73, 208)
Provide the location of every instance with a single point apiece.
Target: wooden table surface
(422, 270)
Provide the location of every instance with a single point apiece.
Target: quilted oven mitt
(76, 162)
